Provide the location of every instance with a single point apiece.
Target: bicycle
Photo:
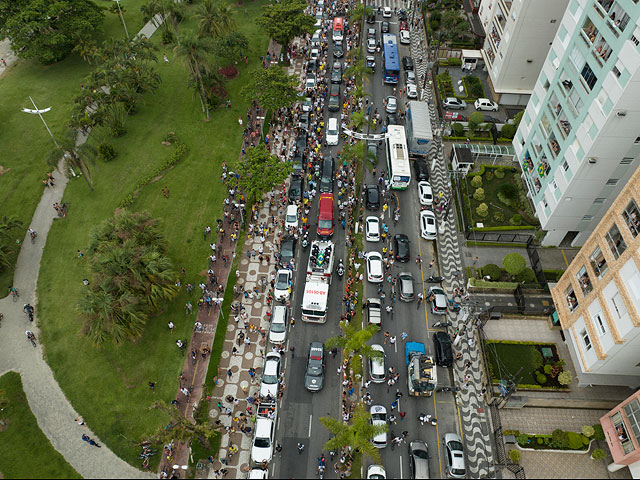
(33, 234)
(31, 337)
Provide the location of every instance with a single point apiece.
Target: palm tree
(149, 10)
(193, 51)
(173, 12)
(85, 47)
(180, 428)
(357, 434)
(77, 157)
(353, 343)
(214, 20)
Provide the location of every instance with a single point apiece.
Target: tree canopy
(272, 88)
(131, 277)
(514, 263)
(261, 172)
(285, 20)
(47, 30)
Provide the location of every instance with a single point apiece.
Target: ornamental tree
(285, 20)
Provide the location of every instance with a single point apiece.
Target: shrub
(547, 369)
(509, 190)
(575, 440)
(492, 271)
(541, 379)
(548, 441)
(523, 439)
(434, 24)
(498, 217)
(458, 129)
(559, 439)
(170, 137)
(516, 219)
(482, 210)
(515, 456)
(588, 431)
(476, 181)
(585, 440)
(598, 454)
(479, 194)
(508, 131)
(598, 433)
(539, 440)
(489, 174)
(455, 62)
(503, 199)
(514, 263)
(167, 37)
(499, 173)
(529, 276)
(106, 152)
(564, 378)
(536, 359)
(517, 118)
(475, 119)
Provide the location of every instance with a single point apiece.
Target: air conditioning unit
(593, 160)
(621, 113)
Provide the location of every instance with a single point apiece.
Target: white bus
(399, 173)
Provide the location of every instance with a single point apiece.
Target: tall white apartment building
(518, 37)
(579, 139)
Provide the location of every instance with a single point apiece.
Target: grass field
(108, 386)
(25, 452)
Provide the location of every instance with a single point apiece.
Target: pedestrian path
(470, 399)
(54, 413)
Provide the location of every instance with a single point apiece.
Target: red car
(455, 116)
(404, 26)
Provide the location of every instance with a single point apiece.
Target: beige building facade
(598, 297)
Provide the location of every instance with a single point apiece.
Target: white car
(270, 375)
(284, 280)
(262, 445)
(485, 104)
(278, 327)
(405, 37)
(412, 90)
(454, 455)
(311, 80)
(372, 229)
(315, 53)
(375, 272)
(376, 472)
(307, 104)
(333, 131)
(316, 38)
(425, 193)
(377, 369)
(371, 45)
(291, 218)
(428, 225)
(386, 12)
(260, 474)
(379, 417)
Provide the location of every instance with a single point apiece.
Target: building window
(618, 306)
(565, 165)
(631, 216)
(615, 241)
(612, 182)
(572, 301)
(616, 72)
(588, 76)
(584, 281)
(626, 161)
(634, 40)
(586, 340)
(621, 431)
(602, 329)
(598, 262)
(599, 201)
(632, 411)
(587, 218)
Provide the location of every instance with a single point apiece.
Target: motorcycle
(441, 325)
(448, 389)
(305, 242)
(340, 269)
(433, 279)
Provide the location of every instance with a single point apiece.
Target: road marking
(401, 476)
(565, 258)
(310, 419)
(278, 426)
(285, 363)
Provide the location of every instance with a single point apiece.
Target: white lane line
(278, 426)
(401, 476)
(310, 419)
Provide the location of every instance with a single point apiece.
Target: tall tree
(181, 428)
(215, 19)
(261, 172)
(77, 157)
(353, 342)
(285, 20)
(193, 52)
(11, 230)
(232, 46)
(272, 88)
(356, 434)
(47, 30)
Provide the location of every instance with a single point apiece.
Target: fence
(502, 461)
(496, 237)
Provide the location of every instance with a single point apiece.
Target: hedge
(496, 244)
(485, 167)
(474, 282)
(518, 342)
(502, 228)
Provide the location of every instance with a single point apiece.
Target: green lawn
(521, 358)
(25, 452)
(108, 386)
(25, 141)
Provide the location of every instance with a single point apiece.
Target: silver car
(419, 459)
(405, 285)
(392, 105)
(454, 455)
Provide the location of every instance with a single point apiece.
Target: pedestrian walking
(433, 260)
(387, 336)
(171, 326)
(392, 339)
(404, 336)
(229, 374)
(300, 448)
(475, 260)
(79, 421)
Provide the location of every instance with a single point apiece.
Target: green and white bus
(398, 168)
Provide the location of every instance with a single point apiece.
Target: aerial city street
(320, 239)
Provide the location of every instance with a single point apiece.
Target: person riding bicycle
(321, 461)
(13, 291)
(29, 334)
(32, 233)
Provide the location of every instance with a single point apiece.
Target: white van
(291, 218)
(333, 131)
(279, 322)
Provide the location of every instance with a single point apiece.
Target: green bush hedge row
(476, 139)
(502, 228)
(475, 282)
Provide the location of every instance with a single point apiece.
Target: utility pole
(122, 18)
(39, 112)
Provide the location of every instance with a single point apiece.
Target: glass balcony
(623, 434)
(631, 216)
(599, 263)
(585, 281)
(572, 301)
(495, 36)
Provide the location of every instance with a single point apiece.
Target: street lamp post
(122, 18)
(39, 112)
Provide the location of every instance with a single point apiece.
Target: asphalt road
(300, 409)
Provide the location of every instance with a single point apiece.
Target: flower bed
(558, 441)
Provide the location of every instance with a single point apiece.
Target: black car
(407, 63)
(312, 66)
(372, 153)
(444, 352)
(371, 18)
(334, 98)
(336, 76)
(490, 119)
(371, 62)
(298, 164)
(422, 171)
(372, 197)
(326, 176)
(338, 49)
(384, 27)
(392, 119)
(295, 189)
(303, 121)
(287, 249)
(401, 247)
(301, 143)
(314, 374)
